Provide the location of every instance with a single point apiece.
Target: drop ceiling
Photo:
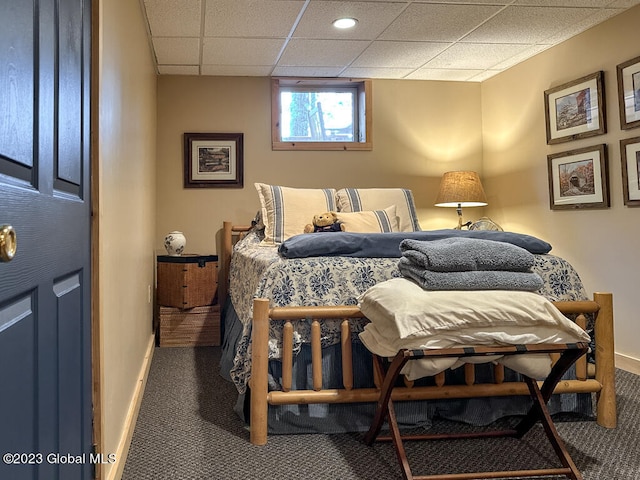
(454, 40)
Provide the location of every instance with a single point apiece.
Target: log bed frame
(590, 378)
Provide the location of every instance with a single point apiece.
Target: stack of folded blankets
(501, 305)
(461, 263)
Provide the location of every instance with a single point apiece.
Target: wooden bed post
(605, 361)
(259, 371)
(223, 277)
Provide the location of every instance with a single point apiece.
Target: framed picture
(213, 160)
(576, 109)
(630, 156)
(629, 93)
(579, 179)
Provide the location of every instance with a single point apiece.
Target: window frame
(363, 112)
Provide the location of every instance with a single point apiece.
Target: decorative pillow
(373, 221)
(362, 199)
(286, 210)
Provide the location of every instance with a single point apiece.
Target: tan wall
(127, 133)
(601, 244)
(420, 130)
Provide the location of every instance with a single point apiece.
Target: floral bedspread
(258, 271)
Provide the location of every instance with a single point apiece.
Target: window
(321, 114)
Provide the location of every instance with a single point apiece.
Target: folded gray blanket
(470, 280)
(458, 254)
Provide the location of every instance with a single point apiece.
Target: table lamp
(461, 189)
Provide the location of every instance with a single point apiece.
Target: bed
(291, 329)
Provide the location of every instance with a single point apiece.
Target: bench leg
(538, 412)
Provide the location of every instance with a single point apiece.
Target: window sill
(323, 146)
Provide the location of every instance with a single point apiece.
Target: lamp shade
(461, 189)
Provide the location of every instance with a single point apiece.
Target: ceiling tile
(443, 74)
(373, 72)
(173, 18)
(398, 54)
(373, 18)
(624, 3)
(438, 23)
(527, 24)
(474, 56)
(579, 27)
(520, 57)
(481, 77)
(236, 70)
(177, 51)
(479, 2)
(564, 3)
(251, 18)
(179, 69)
(306, 71)
(240, 51)
(322, 53)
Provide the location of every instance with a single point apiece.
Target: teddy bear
(324, 222)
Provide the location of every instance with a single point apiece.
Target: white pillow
(404, 315)
(286, 210)
(362, 199)
(374, 221)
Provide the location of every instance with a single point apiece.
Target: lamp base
(460, 224)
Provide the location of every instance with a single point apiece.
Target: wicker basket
(199, 326)
(187, 281)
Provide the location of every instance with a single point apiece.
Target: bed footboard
(600, 380)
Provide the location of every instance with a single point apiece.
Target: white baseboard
(628, 364)
(117, 468)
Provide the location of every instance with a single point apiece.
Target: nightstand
(187, 311)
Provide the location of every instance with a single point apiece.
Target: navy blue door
(45, 311)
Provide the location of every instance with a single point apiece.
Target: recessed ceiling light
(345, 22)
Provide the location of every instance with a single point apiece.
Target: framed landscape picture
(629, 93)
(576, 109)
(213, 160)
(630, 156)
(579, 179)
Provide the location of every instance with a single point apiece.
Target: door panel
(18, 347)
(45, 291)
(70, 82)
(16, 88)
(68, 294)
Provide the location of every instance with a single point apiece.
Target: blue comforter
(387, 245)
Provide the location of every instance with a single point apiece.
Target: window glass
(318, 115)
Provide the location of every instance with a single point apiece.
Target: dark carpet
(187, 430)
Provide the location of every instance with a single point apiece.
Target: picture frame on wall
(213, 160)
(579, 179)
(576, 109)
(629, 93)
(630, 156)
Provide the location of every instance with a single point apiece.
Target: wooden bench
(389, 373)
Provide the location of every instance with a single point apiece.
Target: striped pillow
(286, 210)
(371, 221)
(362, 199)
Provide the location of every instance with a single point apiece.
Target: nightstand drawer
(187, 281)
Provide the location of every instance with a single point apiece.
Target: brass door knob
(8, 243)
